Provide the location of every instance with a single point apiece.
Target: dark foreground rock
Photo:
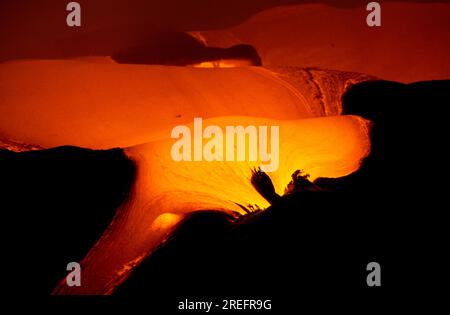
(55, 205)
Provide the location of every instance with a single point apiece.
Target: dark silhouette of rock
(263, 184)
(56, 203)
(180, 49)
(407, 133)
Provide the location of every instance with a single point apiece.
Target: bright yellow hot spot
(165, 221)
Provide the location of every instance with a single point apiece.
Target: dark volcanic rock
(55, 205)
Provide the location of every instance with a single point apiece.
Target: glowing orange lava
(166, 190)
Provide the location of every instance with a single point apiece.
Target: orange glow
(112, 95)
(327, 37)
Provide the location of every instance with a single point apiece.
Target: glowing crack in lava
(165, 190)
(223, 63)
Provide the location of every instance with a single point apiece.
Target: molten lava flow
(101, 105)
(115, 105)
(166, 190)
